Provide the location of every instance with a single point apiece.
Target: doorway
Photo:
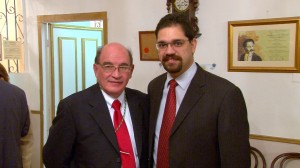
(58, 54)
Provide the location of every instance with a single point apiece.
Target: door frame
(42, 47)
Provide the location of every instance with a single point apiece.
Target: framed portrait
(147, 42)
(265, 45)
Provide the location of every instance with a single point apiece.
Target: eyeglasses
(112, 68)
(173, 44)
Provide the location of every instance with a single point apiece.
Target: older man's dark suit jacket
(211, 128)
(82, 134)
(14, 124)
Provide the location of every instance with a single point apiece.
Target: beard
(172, 67)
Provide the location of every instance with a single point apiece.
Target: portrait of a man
(249, 54)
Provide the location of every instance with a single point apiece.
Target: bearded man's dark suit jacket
(14, 124)
(210, 129)
(255, 57)
(82, 134)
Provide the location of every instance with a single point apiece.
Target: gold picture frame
(147, 41)
(275, 43)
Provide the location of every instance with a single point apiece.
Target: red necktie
(167, 122)
(126, 151)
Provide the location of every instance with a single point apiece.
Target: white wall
(269, 96)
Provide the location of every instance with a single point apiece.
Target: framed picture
(266, 45)
(147, 42)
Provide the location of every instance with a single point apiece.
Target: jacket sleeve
(57, 151)
(27, 148)
(25, 113)
(233, 131)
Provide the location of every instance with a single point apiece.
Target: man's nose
(170, 49)
(116, 72)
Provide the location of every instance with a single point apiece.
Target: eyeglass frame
(180, 43)
(105, 66)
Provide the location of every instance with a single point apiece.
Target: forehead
(114, 54)
(249, 43)
(171, 33)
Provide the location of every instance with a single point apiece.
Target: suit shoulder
(218, 81)
(159, 78)
(81, 95)
(6, 87)
(133, 92)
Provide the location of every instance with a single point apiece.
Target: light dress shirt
(183, 82)
(248, 57)
(127, 118)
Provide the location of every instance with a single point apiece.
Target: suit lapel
(155, 99)
(100, 113)
(136, 118)
(193, 94)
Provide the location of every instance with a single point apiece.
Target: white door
(73, 52)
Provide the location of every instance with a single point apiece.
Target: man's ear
(132, 68)
(194, 44)
(95, 67)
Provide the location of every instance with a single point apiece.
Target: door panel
(67, 76)
(87, 61)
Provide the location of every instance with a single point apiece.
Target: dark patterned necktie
(167, 122)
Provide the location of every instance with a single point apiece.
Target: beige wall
(272, 98)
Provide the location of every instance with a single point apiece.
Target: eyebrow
(169, 42)
(109, 63)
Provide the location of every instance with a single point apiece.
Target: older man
(105, 125)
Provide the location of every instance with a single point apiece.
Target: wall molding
(275, 139)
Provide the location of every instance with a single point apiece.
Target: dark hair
(99, 50)
(3, 73)
(246, 41)
(178, 19)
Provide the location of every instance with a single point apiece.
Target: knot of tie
(116, 104)
(172, 83)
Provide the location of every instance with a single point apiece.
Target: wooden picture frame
(147, 42)
(276, 42)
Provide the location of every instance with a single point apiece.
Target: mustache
(174, 57)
